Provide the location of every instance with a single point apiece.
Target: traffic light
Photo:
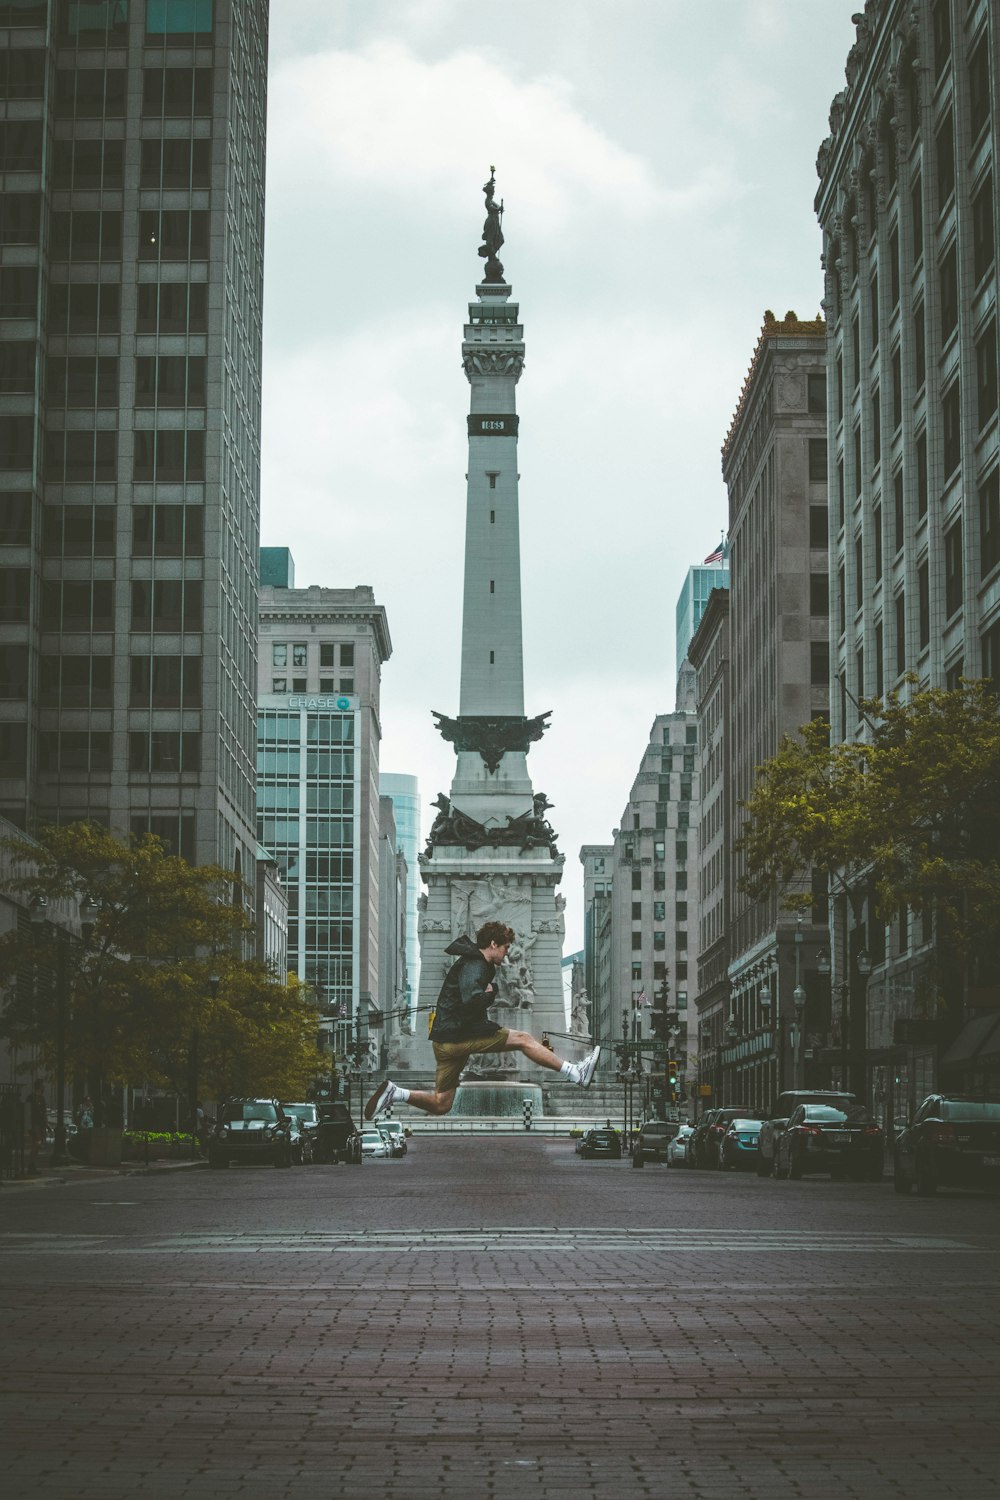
(672, 1079)
(659, 1016)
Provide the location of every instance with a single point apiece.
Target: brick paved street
(498, 1319)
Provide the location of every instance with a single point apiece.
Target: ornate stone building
(908, 207)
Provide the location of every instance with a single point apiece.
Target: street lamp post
(799, 1002)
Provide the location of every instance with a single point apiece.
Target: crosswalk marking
(486, 1241)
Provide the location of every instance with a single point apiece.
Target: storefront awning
(977, 1039)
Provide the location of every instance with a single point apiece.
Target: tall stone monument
(491, 854)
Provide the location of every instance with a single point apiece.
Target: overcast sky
(657, 163)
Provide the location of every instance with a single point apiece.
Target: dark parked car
(653, 1140)
(337, 1138)
(777, 1119)
(708, 1140)
(819, 1138)
(697, 1137)
(251, 1130)
(952, 1142)
(738, 1148)
(305, 1127)
(599, 1143)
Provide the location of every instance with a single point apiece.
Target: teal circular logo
(343, 702)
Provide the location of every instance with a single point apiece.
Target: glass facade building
(131, 269)
(694, 596)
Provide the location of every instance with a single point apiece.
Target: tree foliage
(142, 986)
(915, 808)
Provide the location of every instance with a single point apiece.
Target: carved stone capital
(493, 362)
(491, 734)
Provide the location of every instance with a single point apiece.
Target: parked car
(738, 1147)
(305, 1128)
(396, 1144)
(708, 1140)
(952, 1142)
(678, 1147)
(374, 1143)
(698, 1132)
(819, 1138)
(251, 1130)
(652, 1141)
(600, 1142)
(777, 1119)
(395, 1129)
(338, 1139)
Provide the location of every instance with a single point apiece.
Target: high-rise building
(131, 265)
(695, 593)
(774, 463)
(708, 653)
(654, 922)
(405, 794)
(908, 206)
(318, 733)
(392, 919)
(598, 862)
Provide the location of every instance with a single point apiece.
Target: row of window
(164, 455)
(89, 530)
(660, 941)
(296, 654)
(166, 163)
(300, 685)
(173, 93)
(92, 234)
(660, 910)
(91, 380)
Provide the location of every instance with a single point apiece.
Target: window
(897, 389)
(659, 941)
(173, 234)
(347, 684)
(948, 281)
(841, 600)
(171, 307)
(659, 880)
(816, 393)
(659, 851)
(818, 532)
(636, 911)
(876, 426)
(13, 671)
(168, 455)
(923, 606)
(919, 344)
(84, 307)
(279, 655)
(917, 217)
(819, 663)
(90, 93)
(922, 489)
(178, 164)
(637, 970)
(979, 89)
(950, 416)
(81, 456)
(840, 494)
(83, 380)
(819, 594)
(15, 595)
(20, 219)
(17, 367)
(945, 150)
(681, 850)
(838, 390)
(22, 72)
(95, 22)
(69, 605)
(347, 656)
(89, 164)
(857, 463)
(168, 531)
(299, 652)
(177, 93)
(164, 750)
(894, 265)
(989, 522)
(983, 238)
(15, 518)
(178, 20)
(953, 569)
(941, 33)
(986, 374)
(170, 380)
(873, 305)
(76, 681)
(165, 682)
(859, 675)
(637, 880)
(659, 911)
(20, 143)
(897, 509)
(167, 604)
(817, 459)
(856, 350)
(636, 941)
(859, 571)
(990, 644)
(86, 234)
(78, 530)
(879, 662)
(18, 291)
(900, 607)
(279, 685)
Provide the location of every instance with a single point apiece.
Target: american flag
(640, 998)
(715, 557)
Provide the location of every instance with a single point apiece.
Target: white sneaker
(585, 1069)
(380, 1100)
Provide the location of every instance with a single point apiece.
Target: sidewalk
(64, 1176)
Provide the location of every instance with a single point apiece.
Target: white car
(374, 1143)
(392, 1132)
(677, 1150)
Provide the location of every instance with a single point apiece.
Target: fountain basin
(497, 1099)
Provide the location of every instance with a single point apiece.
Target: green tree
(914, 811)
(143, 985)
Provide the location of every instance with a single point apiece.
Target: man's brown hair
(494, 932)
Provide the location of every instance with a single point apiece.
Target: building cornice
(772, 329)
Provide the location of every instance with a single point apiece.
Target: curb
(100, 1174)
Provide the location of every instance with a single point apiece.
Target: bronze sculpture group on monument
(491, 854)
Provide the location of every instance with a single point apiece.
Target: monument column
(491, 854)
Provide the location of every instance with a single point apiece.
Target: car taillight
(810, 1130)
(944, 1135)
(872, 1130)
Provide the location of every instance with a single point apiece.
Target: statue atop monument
(492, 232)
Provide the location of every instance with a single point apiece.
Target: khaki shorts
(451, 1057)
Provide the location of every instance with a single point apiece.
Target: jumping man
(462, 1028)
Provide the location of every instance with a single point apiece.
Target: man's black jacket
(460, 1015)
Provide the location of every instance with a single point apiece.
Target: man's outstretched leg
(449, 1069)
